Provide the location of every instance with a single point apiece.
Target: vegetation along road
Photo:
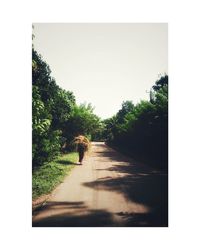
(109, 189)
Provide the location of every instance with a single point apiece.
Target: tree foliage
(51, 107)
(142, 129)
(56, 118)
(82, 121)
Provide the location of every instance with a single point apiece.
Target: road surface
(108, 190)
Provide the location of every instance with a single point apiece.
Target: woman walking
(82, 144)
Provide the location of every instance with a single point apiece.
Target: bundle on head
(82, 141)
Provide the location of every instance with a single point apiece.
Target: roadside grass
(46, 178)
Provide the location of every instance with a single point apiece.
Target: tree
(51, 108)
(127, 107)
(161, 82)
(82, 122)
(142, 129)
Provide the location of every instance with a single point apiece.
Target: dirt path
(109, 189)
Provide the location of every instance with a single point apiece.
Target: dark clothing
(81, 147)
(81, 155)
(81, 151)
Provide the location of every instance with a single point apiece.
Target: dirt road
(109, 189)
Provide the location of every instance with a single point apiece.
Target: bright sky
(104, 64)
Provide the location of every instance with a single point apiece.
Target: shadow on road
(93, 218)
(137, 183)
(110, 154)
(59, 205)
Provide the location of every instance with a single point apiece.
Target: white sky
(104, 64)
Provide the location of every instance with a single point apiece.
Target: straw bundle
(82, 141)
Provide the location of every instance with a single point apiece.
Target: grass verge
(46, 178)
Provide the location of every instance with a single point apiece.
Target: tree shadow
(158, 160)
(92, 218)
(59, 205)
(138, 184)
(144, 219)
(112, 155)
(66, 162)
